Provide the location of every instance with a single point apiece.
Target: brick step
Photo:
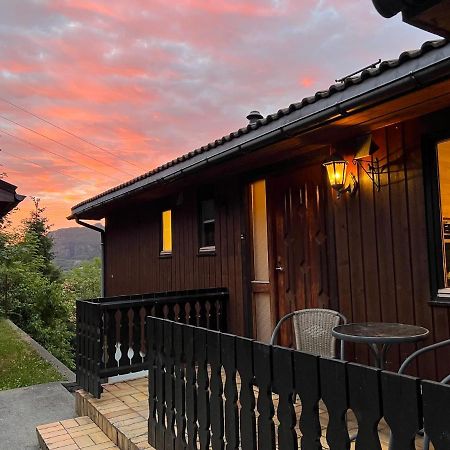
(121, 412)
(73, 434)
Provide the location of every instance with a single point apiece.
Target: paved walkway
(21, 410)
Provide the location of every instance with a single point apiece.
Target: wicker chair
(409, 360)
(312, 330)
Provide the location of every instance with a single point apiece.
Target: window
(207, 222)
(443, 157)
(166, 232)
(437, 195)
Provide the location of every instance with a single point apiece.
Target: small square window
(166, 232)
(207, 225)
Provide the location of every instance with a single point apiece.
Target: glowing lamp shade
(336, 167)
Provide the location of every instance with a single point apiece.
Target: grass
(20, 365)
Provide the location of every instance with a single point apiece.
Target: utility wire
(68, 132)
(64, 145)
(43, 167)
(24, 141)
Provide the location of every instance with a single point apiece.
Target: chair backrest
(408, 361)
(312, 330)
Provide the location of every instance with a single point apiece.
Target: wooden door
(301, 245)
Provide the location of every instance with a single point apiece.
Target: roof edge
(420, 68)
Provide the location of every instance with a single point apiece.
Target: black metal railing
(111, 337)
(215, 390)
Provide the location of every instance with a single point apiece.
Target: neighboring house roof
(9, 199)
(389, 8)
(353, 90)
(429, 15)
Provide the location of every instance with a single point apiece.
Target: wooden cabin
(254, 211)
(9, 198)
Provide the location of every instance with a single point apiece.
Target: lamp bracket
(371, 166)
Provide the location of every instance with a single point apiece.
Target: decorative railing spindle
(279, 376)
(283, 382)
(204, 433)
(228, 356)
(262, 357)
(244, 359)
(216, 388)
(191, 388)
(180, 387)
(307, 386)
(111, 331)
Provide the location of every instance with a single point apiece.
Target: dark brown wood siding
(381, 248)
(133, 262)
(377, 249)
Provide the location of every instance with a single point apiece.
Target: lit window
(436, 166)
(443, 155)
(207, 225)
(166, 232)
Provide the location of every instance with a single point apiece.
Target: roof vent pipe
(254, 116)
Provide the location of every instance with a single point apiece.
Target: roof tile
(334, 88)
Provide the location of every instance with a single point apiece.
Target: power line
(24, 141)
(64, 145)
(69, 132)
(43, 167)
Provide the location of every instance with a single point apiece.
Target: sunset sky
(139, 82)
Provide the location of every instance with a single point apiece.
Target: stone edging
(45, 354)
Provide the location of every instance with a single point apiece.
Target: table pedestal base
(379, 351)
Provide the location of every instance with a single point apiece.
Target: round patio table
(379, 336)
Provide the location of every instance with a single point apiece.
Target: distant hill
(75, 245)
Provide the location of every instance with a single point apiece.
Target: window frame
(206, 249)
(165, 253)
(431, 183)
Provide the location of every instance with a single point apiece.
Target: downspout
(102, 237)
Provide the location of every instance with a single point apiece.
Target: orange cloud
(148, 81)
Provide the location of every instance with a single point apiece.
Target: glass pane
(207, 210)
(167, 231)
(259, 223)
(444, 182)
(209, 234)
(207, 223)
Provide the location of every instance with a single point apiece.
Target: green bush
(33, 291)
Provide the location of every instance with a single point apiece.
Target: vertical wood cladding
(133, 243)
(381, 249)
(370, 249)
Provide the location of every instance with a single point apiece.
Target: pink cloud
(151, 80)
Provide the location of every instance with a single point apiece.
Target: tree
(84, 280)
(31, 291)
(36, 233)
(34, 292)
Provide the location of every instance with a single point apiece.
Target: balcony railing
(111, 337)
(213, 390)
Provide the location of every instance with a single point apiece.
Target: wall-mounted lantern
(336, 167)
(369, 164)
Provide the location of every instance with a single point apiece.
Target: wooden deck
(122, 413)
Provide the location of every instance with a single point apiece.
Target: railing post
(89, 346)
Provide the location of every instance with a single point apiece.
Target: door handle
(279, 268)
